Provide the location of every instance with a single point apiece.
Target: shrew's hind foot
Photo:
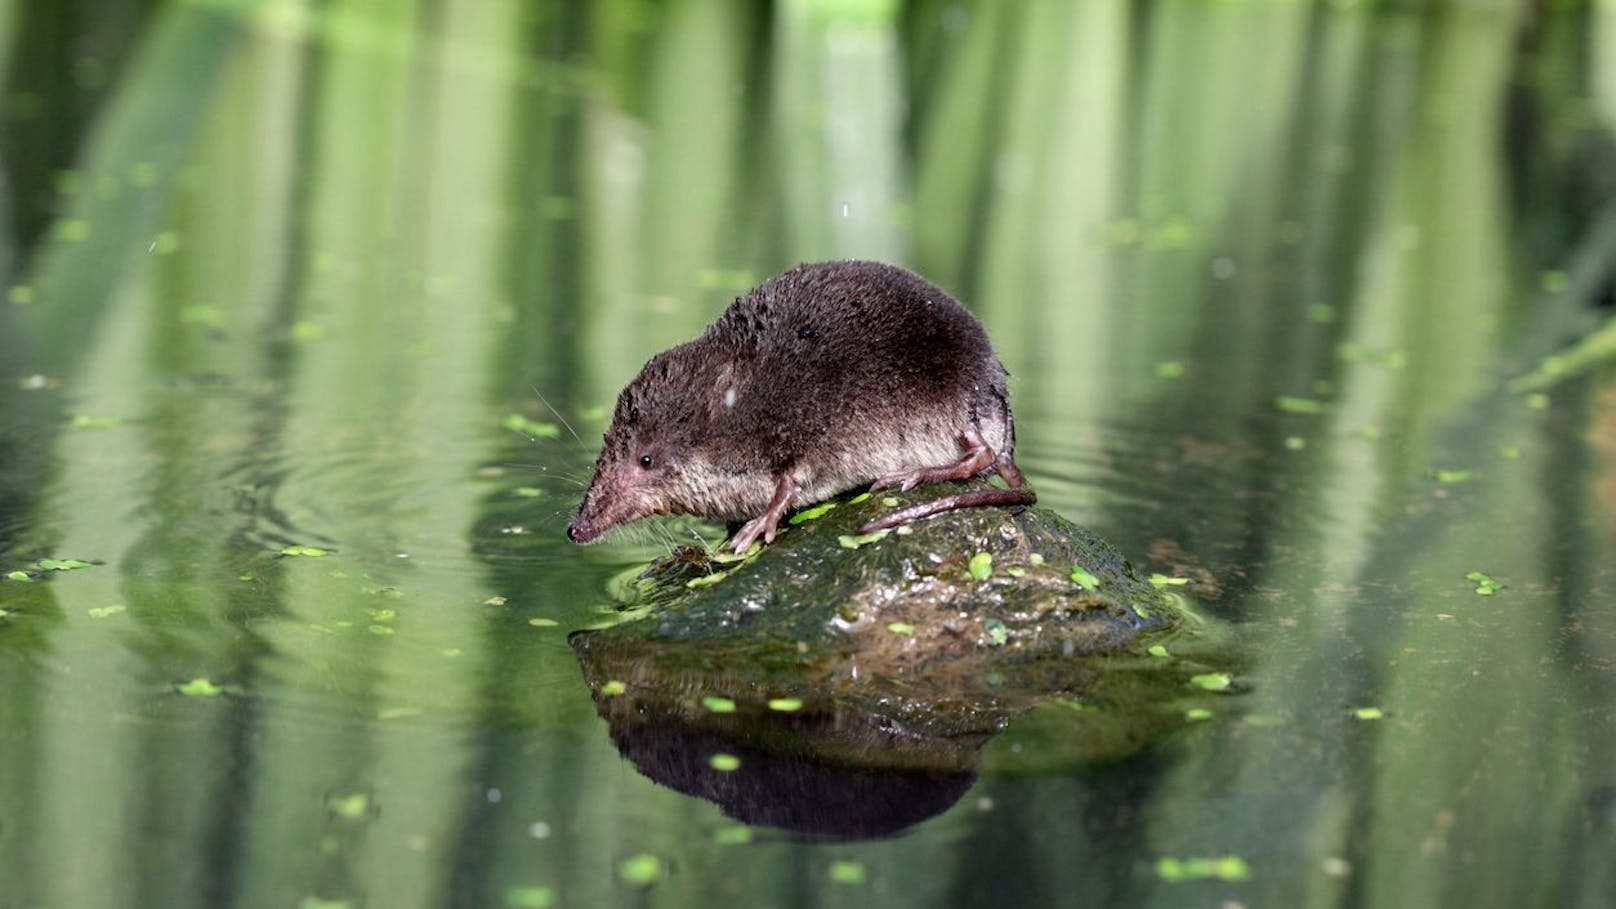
(976, 498)
(974, 458)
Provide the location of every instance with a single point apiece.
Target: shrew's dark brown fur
(819, 380)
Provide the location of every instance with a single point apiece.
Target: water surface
(281, 275)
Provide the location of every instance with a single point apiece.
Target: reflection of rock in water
(899, 659)
(821, 775)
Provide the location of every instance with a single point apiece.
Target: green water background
(279, 274)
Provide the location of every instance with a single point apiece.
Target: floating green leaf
(717, 704)
(1485, 586)
(530, 897)
(1162, 580)
(1212, 681)
(312, 552)
(1294, 404)
(1157, 650)
(1229, 868)
(527, 492)
(808, 514)
(889, 501)
(861, 497)
(537, 429)
(613, 688)
(785, 705)
(62, 564)
(707, 580)
(1368, 713)
(540, 622)
(199, 688)
(863, 539)
(981, 566)
(641, 870)
(1084, 578)
(352, 806)
(18, 576)
(1197, 713)
(725, 557)
(1035, 558)
(847, 872)
(724, 763)
(901, 628)
(1454, 476)
(1016, 571)
(1356, 353)
(101, 612)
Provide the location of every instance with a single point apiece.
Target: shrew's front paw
(760, 526)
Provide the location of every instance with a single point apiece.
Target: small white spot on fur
(729, 396)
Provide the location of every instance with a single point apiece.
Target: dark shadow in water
(824, 773)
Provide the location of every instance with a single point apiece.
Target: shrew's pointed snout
(590, 520)
(609, 502)
(582, 530)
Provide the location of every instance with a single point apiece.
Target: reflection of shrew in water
(784, 779)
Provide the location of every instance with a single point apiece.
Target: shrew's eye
(646, 461)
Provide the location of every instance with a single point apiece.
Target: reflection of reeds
(374, 228)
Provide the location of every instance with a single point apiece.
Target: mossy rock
(901, 618)
(821, 584)
(858, 667)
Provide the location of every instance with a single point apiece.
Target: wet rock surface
(982, 584)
